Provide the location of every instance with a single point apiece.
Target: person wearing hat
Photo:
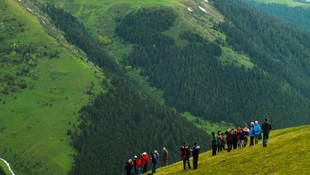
(145, 162)
(154, 161)
(157, 156)
(129, 167)
(137, 165)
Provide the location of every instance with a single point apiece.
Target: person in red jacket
(137, 163)
(145, 162)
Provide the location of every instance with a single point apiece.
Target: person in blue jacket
(257, 130)
(252, 135)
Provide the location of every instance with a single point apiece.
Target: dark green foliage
(269, 42)
(2, 172)
(76, 34)
(195, 80)
(125, 122)
(298, 16)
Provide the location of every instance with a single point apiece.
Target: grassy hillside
(34, 118)
(287, 153)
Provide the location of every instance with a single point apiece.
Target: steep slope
(297, 16)
(287, 153)
(197, 65)
(43, 86)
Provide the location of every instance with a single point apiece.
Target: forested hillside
(194, 80)
(297, 16)
(125, 122)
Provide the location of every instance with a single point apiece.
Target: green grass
(5, 168)
(287, 2)
(288, 152)
(34, 121)
(207, 125)
(229, 57)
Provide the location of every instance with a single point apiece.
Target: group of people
(139, 165)
(233, 138)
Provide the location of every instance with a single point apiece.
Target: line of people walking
(233, 138)
(139, 165)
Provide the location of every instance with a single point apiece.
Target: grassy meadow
(34, 120)
(288, 152)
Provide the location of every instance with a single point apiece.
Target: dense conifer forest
(194, 79)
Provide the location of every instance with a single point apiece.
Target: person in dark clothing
(214, 143)
(165, 156)
(235, 139)
(252, 134)
(240, 138)
(229, 139)
(128, 167)
(154, 161)
(185, 155)
(266, 127)
(195, 153)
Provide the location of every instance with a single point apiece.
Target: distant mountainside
(297, 16)
(86, 85)
(277, 158)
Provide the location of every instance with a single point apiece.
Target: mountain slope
(35, 115)
(287, 153)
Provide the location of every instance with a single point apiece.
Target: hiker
(266, 127)
(214, 143)
(224, 141)
(165, 156)
(229, 139)
(129, 167)
(235, 139)
(195, 153)
(219, 141)
(185, 155)
(257, 130)
(154, 161)
(157, 156)
(145, 162)
(246, 132)
(240, 138)
(252, 134)
(137, 165)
